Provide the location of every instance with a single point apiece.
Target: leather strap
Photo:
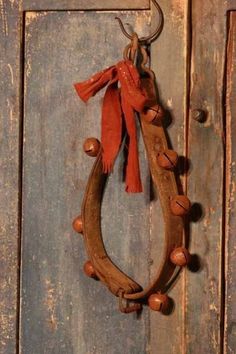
(165, 182)
(106, 271)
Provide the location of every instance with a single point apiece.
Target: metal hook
(153, 35)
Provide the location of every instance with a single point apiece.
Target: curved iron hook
(153, 35)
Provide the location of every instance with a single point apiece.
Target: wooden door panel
(10, 126)
(170, 60)
(57, 308)
(62, 311)
(206, 178)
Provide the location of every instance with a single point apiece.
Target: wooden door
(47, 305)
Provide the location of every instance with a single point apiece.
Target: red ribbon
(118, 103)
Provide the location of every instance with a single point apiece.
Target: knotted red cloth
(118, 103)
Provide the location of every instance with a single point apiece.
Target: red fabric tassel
(117, 102)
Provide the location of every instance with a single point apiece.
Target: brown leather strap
(106, 271)
(164, 181)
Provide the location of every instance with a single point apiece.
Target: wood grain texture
(206, 178)
(29, 5)
(169, 55)
(10, 22)
(62, 311)
(230, 247)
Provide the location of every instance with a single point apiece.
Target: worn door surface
(47, 305)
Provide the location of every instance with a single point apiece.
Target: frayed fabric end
(134, 189)
(80, 92)
(107, 167)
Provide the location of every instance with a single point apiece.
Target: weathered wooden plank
(62, 311)
(230, 246)
(205, 180)
(10, 22)
(231, 5)
(169, 56)
(29, 5)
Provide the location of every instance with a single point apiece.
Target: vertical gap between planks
(225, 188)
(20, 181)
(186, 149)
(149, 349)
